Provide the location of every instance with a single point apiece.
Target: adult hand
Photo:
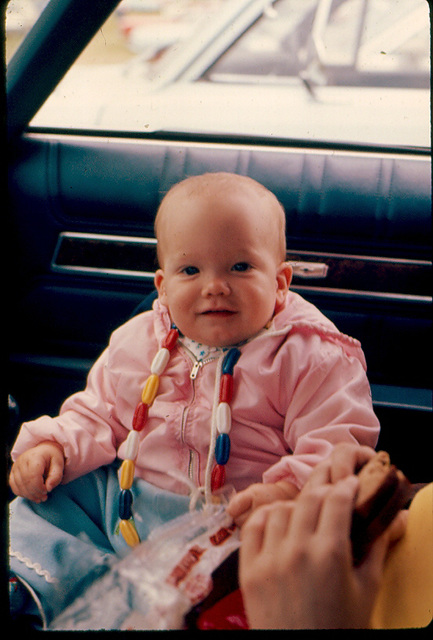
(296, 569)
(242, 505)
(345, 459)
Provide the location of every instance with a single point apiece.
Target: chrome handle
(309, 269)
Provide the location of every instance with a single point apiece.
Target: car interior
(81, 245)
(82, 250)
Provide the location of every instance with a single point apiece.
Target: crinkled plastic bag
(159, 581)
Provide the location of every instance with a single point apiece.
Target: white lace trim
(33, 565)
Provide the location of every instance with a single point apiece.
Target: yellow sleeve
(405, 599)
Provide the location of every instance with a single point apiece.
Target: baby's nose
(216, 285)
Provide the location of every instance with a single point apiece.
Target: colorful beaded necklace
(150, 390)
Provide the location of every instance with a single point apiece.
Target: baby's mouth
(218, 312)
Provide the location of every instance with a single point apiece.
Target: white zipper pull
(195, 368)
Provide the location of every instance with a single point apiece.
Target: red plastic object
(170, 340)
(226, 388)
(228, 613)
(218, 477)
(140, 416)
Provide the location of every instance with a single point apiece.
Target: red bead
(218, 477)
(140, 416)
(226, 388)
(170, 340)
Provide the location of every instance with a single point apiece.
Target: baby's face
(221, 274)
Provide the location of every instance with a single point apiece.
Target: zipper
(192, 455)
(197, 365)
(195, 369)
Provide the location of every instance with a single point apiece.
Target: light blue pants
(59, 547)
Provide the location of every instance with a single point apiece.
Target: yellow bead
(129, 533)
(150, 389)
(127, 471)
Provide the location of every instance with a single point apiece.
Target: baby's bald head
(213, 186)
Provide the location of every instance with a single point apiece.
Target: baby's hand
(245, 502)
(37, 471)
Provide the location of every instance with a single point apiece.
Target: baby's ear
(283, 279)
(160, 286)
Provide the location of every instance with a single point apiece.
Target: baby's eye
(241, 266)
(190, 271)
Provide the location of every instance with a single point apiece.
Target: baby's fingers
(14, 482)
(28, 482)
(54, 474)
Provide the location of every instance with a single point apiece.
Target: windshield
(355, 71)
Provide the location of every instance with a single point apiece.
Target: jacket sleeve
(86, 427)
(331, 403)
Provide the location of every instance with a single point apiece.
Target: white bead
(223, 418)
(160, 361)
(132, 442)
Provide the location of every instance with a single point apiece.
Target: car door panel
(81, 207)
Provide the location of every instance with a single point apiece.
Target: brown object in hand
(383, 491)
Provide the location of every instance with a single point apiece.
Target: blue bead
(222, 448)
(230, 360)
(125, 504)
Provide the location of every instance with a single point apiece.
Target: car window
(328, 71)
(354, 42)
(20, 16)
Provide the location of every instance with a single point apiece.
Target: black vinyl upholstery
(369, 203)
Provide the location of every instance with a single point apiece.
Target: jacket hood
(297, 314)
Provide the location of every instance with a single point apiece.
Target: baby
(231, 380)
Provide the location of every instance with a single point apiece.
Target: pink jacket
(300, 387)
